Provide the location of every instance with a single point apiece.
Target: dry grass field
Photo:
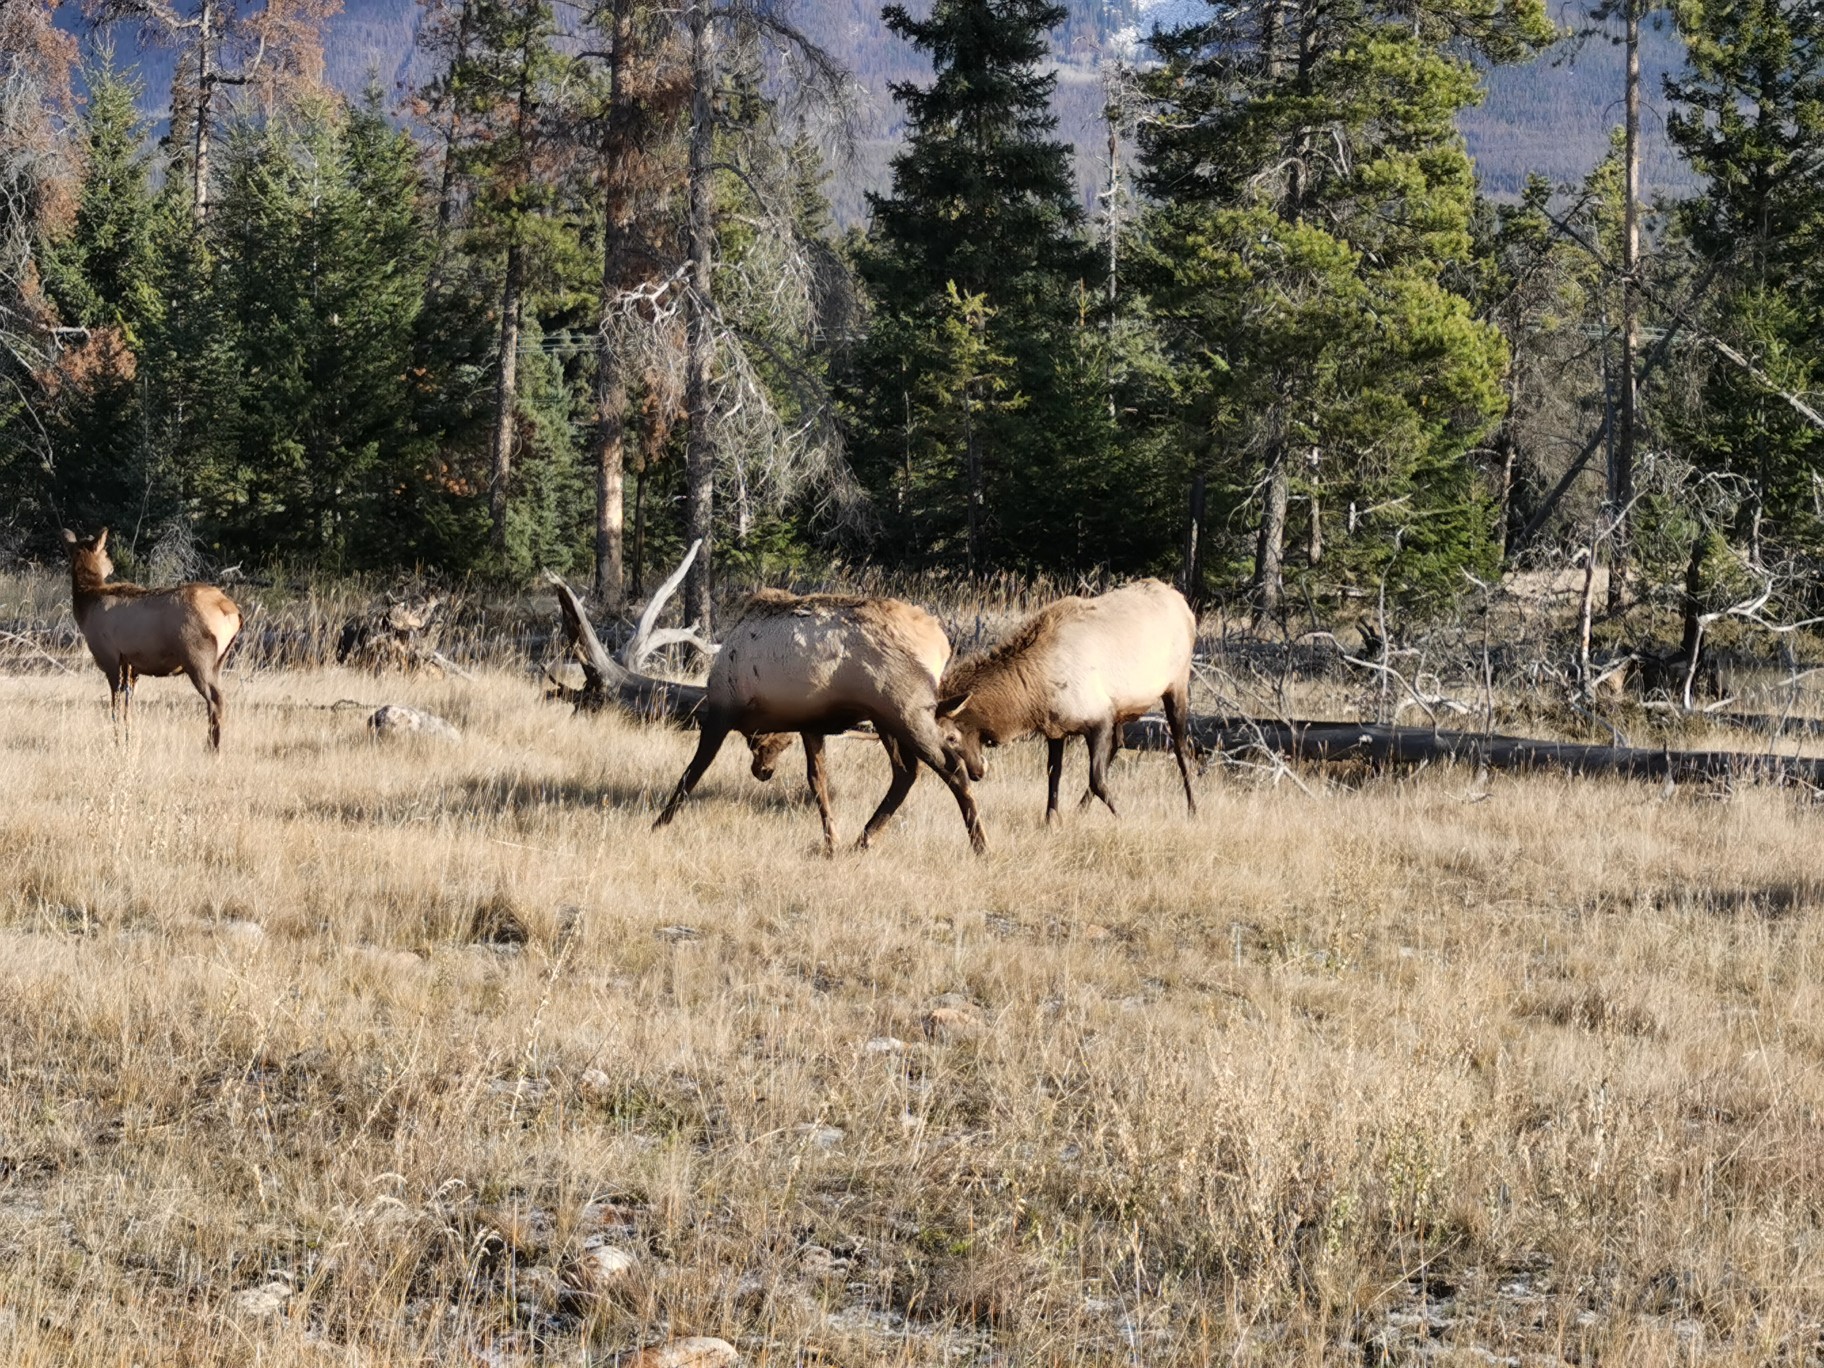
(332, 1052)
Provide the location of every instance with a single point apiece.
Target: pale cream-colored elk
(1082, 667)
(133, 631)
(820, 664)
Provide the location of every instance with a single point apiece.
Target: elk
(1082, 667)
(823, 663)
(132, 630)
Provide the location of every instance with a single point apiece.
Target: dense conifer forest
(571, 288)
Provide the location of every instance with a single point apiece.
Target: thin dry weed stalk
(1344, 1073)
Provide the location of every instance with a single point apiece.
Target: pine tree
(1310, 264)
(35, 61)
(102, 275)
(644, 98)
(1750, 118)
(982, 200)
(498, 101)
(324, 257)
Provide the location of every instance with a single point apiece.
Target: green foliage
(323, 254)
(1750, 116)
(976, 397)
(1309, 262)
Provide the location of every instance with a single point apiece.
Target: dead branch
(610, 683)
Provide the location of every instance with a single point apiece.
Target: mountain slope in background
(1552, 116)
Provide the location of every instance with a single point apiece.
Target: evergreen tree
(102, 276)
(983, 200)
(499, 100)
(324, 257)
(1310, 262)
(1750, 117)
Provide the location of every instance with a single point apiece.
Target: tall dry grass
(332, 1053)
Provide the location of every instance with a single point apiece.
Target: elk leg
(709, 741)
(1101, 751)
(1054, 773)
(116, 679)
(905, 773)
(212, 695)
(1178, 719)
(1114, 744)
(819, 779)
(126, 700)
(957, 778)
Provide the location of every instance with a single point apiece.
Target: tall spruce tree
(1309, 261)
(101, 274)
(324, 255)
(982, 223)
(1749, 116)
(498, 100)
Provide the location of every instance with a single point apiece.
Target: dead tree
(612, 683)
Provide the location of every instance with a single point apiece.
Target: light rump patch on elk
(133, 631)
(823, 663)
(1082, 667)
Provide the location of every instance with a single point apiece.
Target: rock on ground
(700, 1351)
(395, 719)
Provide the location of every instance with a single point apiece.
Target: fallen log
(1375, 744)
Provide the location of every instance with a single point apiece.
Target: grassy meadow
(335, 1052)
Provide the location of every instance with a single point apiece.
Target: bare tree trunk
(1621, 472)
(1270, 550)
(1314, 542)
(205, 97)
(610, 478)
(972, 470)
(1691, 647)
(506, 387)
(1193, 540)
(699, 453)
(446, 191)
(639, 528)
(611, 373)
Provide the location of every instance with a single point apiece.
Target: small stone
(954, 1023)
(595, 1086)
(395, 719)
(604, 1266)
(884, 1045)
(262, 1302)
(1096, 932)
(823, 1137)
(699, 1351)
(241, 931)
(520, 1091)
(814, 1261)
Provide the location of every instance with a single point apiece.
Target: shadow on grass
(1769, 902)
(474, 797)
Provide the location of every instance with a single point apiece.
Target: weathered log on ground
(610, 684)
(1373, 744)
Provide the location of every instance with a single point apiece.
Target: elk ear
(101, 540)
(954, 704)
(70, 538)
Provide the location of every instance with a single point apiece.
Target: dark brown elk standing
(133, 631)
(821, 664)
(1082, 667)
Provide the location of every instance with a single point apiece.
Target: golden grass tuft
(336, 1052)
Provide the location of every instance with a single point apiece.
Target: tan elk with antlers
(821, 664)
(1082, 667)
(133, 631)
